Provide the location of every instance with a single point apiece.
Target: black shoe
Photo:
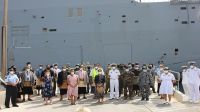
(15, 105)
(147, 99)
(30, 99)
(130, 98)
(23, 100)
(7, 106)
(142, 99)
(78, 98)
(84, 98)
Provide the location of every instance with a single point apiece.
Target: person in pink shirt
(72, 86)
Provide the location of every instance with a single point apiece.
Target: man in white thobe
(114, 74)
(194, 82)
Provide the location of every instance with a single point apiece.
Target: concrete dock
(135, 105)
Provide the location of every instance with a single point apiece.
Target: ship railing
(177, 76)
(180, 2)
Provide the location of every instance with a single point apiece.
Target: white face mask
(100, 73)
(191, 66)
(40, 67)
(12, 72)
(28, 70)
(144, 70)
(64, 69)
(47, 74)
(56, 67)
(113, 68)
(127, 70)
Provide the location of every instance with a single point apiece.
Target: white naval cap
(191, 62)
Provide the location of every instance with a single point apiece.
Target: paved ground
(154, 105)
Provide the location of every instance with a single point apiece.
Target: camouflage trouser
(128, 88)
(107, 86)
(145, 91)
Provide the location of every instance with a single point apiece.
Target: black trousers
(11, 93)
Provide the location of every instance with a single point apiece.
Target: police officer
(144, 83)
(11, 88)
(128, 77)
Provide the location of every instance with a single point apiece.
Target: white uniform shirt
(114, 74)
(193, 75)
(11, 78)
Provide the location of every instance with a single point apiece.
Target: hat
(114, 64)
(166, 68)
(191, 62)
(184, 66)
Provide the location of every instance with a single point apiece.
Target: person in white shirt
(114, 74)
(56, 71)
(11, 81)
(166, 88)
(185, 80)
(194, 82)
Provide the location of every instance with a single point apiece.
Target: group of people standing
(130, 79)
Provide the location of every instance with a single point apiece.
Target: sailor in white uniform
(114, 74)
(185, 80)
(166, 87)
(194, 82)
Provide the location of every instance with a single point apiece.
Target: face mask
(28, 70)
(11, 72)
(64, 69)
(144, 70)
(191, 66)
(161, 69)
(113, 68)
(127, 70)
(56, 67)
(96, 68)
(40, 67)
(29, 66)
(100, 73)
(137, 68)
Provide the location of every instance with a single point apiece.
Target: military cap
(166, 68)
(191, 62)
(184, 66)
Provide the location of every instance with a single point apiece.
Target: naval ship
(103, 31)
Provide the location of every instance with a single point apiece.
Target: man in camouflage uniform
(107, 78)
(144, 83)
(128, 77)
(121, 70)
(136, 70)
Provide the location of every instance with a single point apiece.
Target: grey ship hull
(102, 31)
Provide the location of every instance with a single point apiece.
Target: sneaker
(84, 97)
(147, 99)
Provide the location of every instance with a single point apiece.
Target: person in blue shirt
(11, 81)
